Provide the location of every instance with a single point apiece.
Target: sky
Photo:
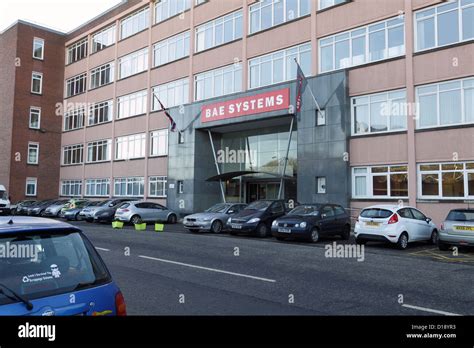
(62, 15)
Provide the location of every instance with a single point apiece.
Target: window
(38, 48)
(77, 51)
(199, 2)
(279, 66)
(328, 3)
(131, 146)
(446, 180)
(102, 75)
(74, 119)
(321, 185)
(97, 187)
(180, 186)
(444, 104)
(135, 23)
(327, 211)
(320, 118)
(132, 104)
(218, 82)
(33, 153)
(165, 9)
(35, 118)
(171, 49)
(170, 94)
(71, 188)
(444, 24)
(382, 112)
(72, 154)
(76, 85)
(219, 31)
(180, 137)
(267, 13)
(100, 113)
(380, 182)
(159, 142)
(129, 187)
(157, 186)
(103, 39)
(133, 63)
(99, 151)
(36, 83)
(374, 42)
(30, 187)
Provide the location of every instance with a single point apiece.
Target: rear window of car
(47, 264)
(376, 213)
(125, 205)
(461, 215)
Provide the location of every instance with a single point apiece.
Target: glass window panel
(361, 116)
(342, 54)
(470, 184)
(380, 185)
(429, 185)
(396, 41)
(361, 186)
(266, 17)
(469, 104)
(399, 185)
(291, 9)
(378, 121)
(377, 46)
(468, 23)
(427, 109)
(450, 107)
(358, 51)
(327, 58)
(278, 12)
(448, 28)
(426, 34)
(453, 184)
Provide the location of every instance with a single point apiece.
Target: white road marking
(208, 269)
(430, 310)
(103, 249)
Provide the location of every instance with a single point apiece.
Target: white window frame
(70, 184)
(94, 145)
(40, 42)
(97, 185)
(203, 28)
(369, 181)
(131, 100)
(129, 181)
(33, 146)
(155, 140)
(158, 179)
(137, 63)
(37, 110)
(181, 7)
(107, 33)
(77, 116)
(163, 46)
(34, 182)
(101, 71)
(72, 149)
(171, 89)
(37, 76)
(73, 51)
(333, 3)
(234, 69)
(75, 83)
(135, 19)
(99, 107)
(124, 144)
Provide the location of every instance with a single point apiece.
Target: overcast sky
(62, 15)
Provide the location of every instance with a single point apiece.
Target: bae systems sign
(255, 104)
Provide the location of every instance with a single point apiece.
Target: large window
(33, 153)
(71, 188)
(129, 187)
(97, 187)
(171, 49)
(159, 142)
(99, 151)
(135, 23)
(36, 83)
(219, 31)
(102, 75)
(447, 103)
(77, 51)
(218, 82)
(371, 43)
(76, 85)
(165, 9)
(279, 66)
(267, 13)
(444, 24)
(103, 39)
(38, 48)
(74, 119)
(382, 112)
(100, 112)
(446, 180)
(35, 118)
(133, 63)
(380, 182)
(328, 3)
(132, 104)
(170, 94)
(31, 186)
(73, 154)
(130, 146)
(157, 186)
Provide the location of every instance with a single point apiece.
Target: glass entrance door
(262, 190)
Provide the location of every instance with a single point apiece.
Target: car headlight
(206, 219)
(275, 223)
(303, 224)
(254, 220)
(229, 220)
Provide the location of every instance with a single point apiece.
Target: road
(179, 273)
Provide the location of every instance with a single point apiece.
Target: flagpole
(310, 91)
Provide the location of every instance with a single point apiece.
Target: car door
(277, 209)
(340, 218)
(141, 209)
(410, 224)
(424, 228)
(160, 212)
(327, 222)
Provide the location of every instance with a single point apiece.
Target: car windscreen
(305, 210)
(105, 203)
(3, 194)
(259, 205)
(376, 213)
(461, 215)
(44, 264)
(218, 208)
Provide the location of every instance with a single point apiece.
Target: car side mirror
(428, 220)
(111, 205)
(323, 215)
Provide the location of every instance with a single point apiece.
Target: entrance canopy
(231, 175)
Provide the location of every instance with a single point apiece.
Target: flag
(167, 114)
(301, 84)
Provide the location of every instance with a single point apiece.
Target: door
(159, 212)
(424, 228)
(340, 218)
(408, 220)
(327, 223)
(143, 211)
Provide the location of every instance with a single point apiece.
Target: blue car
(50, 268)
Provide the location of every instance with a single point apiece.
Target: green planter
(117, 224)
(140, 227)
(159, 227)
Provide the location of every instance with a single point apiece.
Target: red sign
(255, 104)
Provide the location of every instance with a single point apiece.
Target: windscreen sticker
(43, 276)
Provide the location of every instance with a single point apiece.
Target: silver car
(213, 219)
(457, 229)
(137, 212)
(54, 209)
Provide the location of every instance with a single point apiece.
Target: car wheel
(172, 219)
(346, 234)
(76, 217)
(402, 243)
(314, 236)
(434, 237)
(136, 220)
(216, 227)
(361, 241)
(262, 230)
(42, 213)
(443, 246)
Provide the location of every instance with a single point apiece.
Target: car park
(457, 229)
(57, 263)
(74, 214)
(38, 208)
(394, 224)
(21, 206)
(54, 209)
(257, 218)
(213, 219)
(104, 212)
(136, 212)
(310, 221)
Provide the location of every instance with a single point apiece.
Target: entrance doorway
(263, 190)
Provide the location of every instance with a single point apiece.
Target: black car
(310, 221)
(256, 218)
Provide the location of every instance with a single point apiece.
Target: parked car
(5, 204)
(61, 264)
(21, 206)
(38, 208)
(213, 219)
(457, 229)
(137, 212)
(104, 212)
(256, 218)
(54, 209)
(74, 213)
(72, 204)
(310, 221)
(394, 224)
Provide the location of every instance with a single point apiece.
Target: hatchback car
(457, 229)
(213, 219)
(54, 263)
(394, 224)
(310, 221)
(74, 213)
(137, 212)
(55, 209)
(104, 212)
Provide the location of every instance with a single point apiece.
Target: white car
(395, 224)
